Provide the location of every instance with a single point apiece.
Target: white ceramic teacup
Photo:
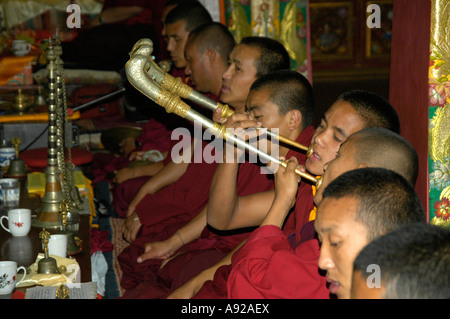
(21, 47)
(19, 221)
(57, 245)
(8, 276)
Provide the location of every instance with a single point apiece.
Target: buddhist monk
(352, 111)
(268, 248)
(172, 207)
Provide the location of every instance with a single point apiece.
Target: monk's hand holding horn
(243, 126)
(287, 181)
(286, 186)
(217, 116)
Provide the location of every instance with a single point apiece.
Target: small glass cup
(9, 192)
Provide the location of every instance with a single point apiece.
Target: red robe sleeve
(267, 267)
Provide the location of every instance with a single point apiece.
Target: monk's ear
(211, 54)
(295, 119)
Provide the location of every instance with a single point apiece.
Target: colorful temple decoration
(439, 115)
(283, 20)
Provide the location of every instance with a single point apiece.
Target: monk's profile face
(338, 123)
(176, 37)
(240, 75)
(344, 161)
(341, 238)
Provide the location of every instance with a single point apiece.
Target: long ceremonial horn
(176, 86)
(136, 70)
(173, 84)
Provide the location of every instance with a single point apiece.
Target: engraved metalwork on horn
(137, 73)
(177, 87)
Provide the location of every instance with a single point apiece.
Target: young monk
(257, 264)
(181, 20)
(357, 207)
(352, 111)
(218, 42)
(412, 262)
(163, 215)
(292, 114)
(207, 50)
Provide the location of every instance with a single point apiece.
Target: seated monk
(175, 205)
(351, 112)
(268, 258)
(292, 115)
(207, 50)
(406, 256)
(179, 21)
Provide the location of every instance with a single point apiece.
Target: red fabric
(152, 14)
(195, 257)
(208, 249)
(178, 198)
(305, 199)
(303, 206)
(216, 288)
(88, 93)
(298, 219)
(99, 241)
(145, 16)
(124, 193)
(267, 267)
(155, 136)
(37, 158)
(163, 213)
(105, 163)
(189, 203)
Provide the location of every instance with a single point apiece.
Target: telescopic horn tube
(176, 86)
(136, 70)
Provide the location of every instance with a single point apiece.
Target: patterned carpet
(119, 245)
(112, 244)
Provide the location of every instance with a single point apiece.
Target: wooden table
(24, 250)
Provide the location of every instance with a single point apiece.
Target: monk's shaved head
(378, 147)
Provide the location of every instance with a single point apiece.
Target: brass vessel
(21, 104)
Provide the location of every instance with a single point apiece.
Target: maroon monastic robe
(268, 267)
(210, 247)
(250, 181)
(297, 219)
(124, 193)
(156, 135)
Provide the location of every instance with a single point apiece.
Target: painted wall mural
(284, 20)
